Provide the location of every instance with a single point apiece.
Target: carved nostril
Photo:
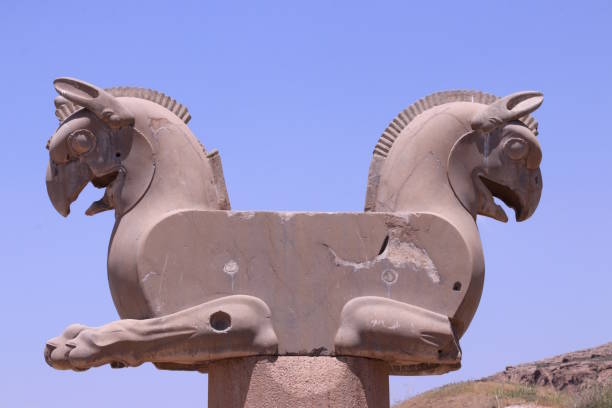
(220, 322)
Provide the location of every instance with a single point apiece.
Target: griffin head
(89, 145)
(500, 158)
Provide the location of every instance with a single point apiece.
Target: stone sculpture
(195, 282)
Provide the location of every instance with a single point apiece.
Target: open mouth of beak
(66, 182)
(510, 197)
(106, 202)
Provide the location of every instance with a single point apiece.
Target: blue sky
(295, 96)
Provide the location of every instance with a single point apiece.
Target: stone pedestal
(298, 382)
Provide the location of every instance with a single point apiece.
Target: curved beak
(522, 194)
(65, 182)
(530, 196)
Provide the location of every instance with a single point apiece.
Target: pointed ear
(76, 91)
(507, 109)
(101, 103)
(523, 103)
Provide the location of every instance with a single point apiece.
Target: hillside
(581, 379)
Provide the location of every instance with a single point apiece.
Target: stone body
(196, 283)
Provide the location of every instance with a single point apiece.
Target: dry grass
(488, 394)
(597, 397)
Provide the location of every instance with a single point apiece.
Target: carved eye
(81, 141)
(516, 148)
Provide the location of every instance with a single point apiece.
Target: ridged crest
(68, 108)
(392, 132)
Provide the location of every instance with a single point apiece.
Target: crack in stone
(397, 253)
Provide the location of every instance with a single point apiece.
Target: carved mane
(393, 130)
(67, 108)
(401, 121)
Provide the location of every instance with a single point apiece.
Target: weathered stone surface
(195, 283)
(573, 372)
(192, 335)
(296, 382)
(306, 267)
(412, 339)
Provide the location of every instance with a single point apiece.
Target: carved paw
(79, 348)
(411, 335)
(234, 326)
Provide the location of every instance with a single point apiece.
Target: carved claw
(58, 349)
(234, 326)
(79, 349)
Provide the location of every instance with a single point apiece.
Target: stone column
(298, 382)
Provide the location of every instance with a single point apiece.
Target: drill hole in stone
(220, 321)
(457, 286)
(389, 276)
